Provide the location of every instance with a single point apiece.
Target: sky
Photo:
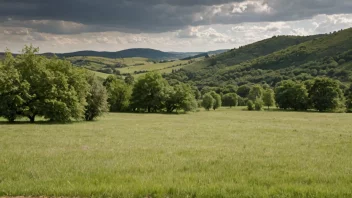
(167, 25)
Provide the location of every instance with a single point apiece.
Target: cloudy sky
(169, 25)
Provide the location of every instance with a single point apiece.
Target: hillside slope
(276, 59)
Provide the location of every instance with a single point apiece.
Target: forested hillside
(273, 60)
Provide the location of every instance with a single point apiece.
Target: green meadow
(222, 153)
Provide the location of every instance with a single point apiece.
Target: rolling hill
(275, 59)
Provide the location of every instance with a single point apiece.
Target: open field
(225, 153)
(133, 65)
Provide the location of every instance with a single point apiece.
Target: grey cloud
(136, 16)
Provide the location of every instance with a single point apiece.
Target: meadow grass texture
(223, 153)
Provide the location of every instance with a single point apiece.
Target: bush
(258, 104)
(250, 105)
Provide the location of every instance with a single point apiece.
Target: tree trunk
(148, 109)
(31, 118)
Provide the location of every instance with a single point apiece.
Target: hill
(275, 59)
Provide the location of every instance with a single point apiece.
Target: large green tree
(291, 95)
(119, 93)
(96, 99)
(269, 98)
(255, 92)
(326, 95)
(51, 88)
(230, 100)
(180, 97)
(13, 91)
(208, 101)
(149, 92)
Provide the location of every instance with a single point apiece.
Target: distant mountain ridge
(134, 52)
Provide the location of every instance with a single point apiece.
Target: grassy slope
(254, 50)
(226, 153)
(135, 64)
(242, 65)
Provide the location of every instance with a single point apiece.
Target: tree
(129, 79)
(250, 105)
(96, 99)
(230, 100)
(291, 95)
(180, 97)
(217, 100)
(243, 91)
(326, 95)
(269, 98)
(149, 92)
(255, 92)
(13, 92)
(258, 104)
(51, 88)
(208, 101)
(119, 95)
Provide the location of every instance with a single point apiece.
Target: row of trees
(35, 86)
(321, 94)
(150, 93)
(32, 85)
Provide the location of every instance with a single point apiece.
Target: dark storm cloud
(155, 15)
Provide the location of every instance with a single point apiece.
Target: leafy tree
(96, 99)
(119, 95)
(269, 98)
(217, 100)
(208, 101)
(255, 92)
(149, 92)
(243, 91)
(326, 94)
(291, 95)
(258, 104)
(230, 100)
(180, 97)
(13, 92)
(129, 79)
(250, 105)
(242, 101)
(68, 89)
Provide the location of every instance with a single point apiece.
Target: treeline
(35, 86)
(320, 94)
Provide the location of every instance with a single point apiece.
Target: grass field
(226, 153)
(135, 64)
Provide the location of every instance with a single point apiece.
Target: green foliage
(119, 94)
(217, 100)
(208, 101)
(258, 104)
(274, 60)
(149, 92)
(230, 100)
(269, 98)
(50, 88)
(326, 95)
(291, 95)
(242, 101)
(180, 97)
(250, 105)
(129, 79)
(13, 92)
(255, 92)
(243, 91)
(96, 99)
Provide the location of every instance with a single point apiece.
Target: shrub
(250, 105)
